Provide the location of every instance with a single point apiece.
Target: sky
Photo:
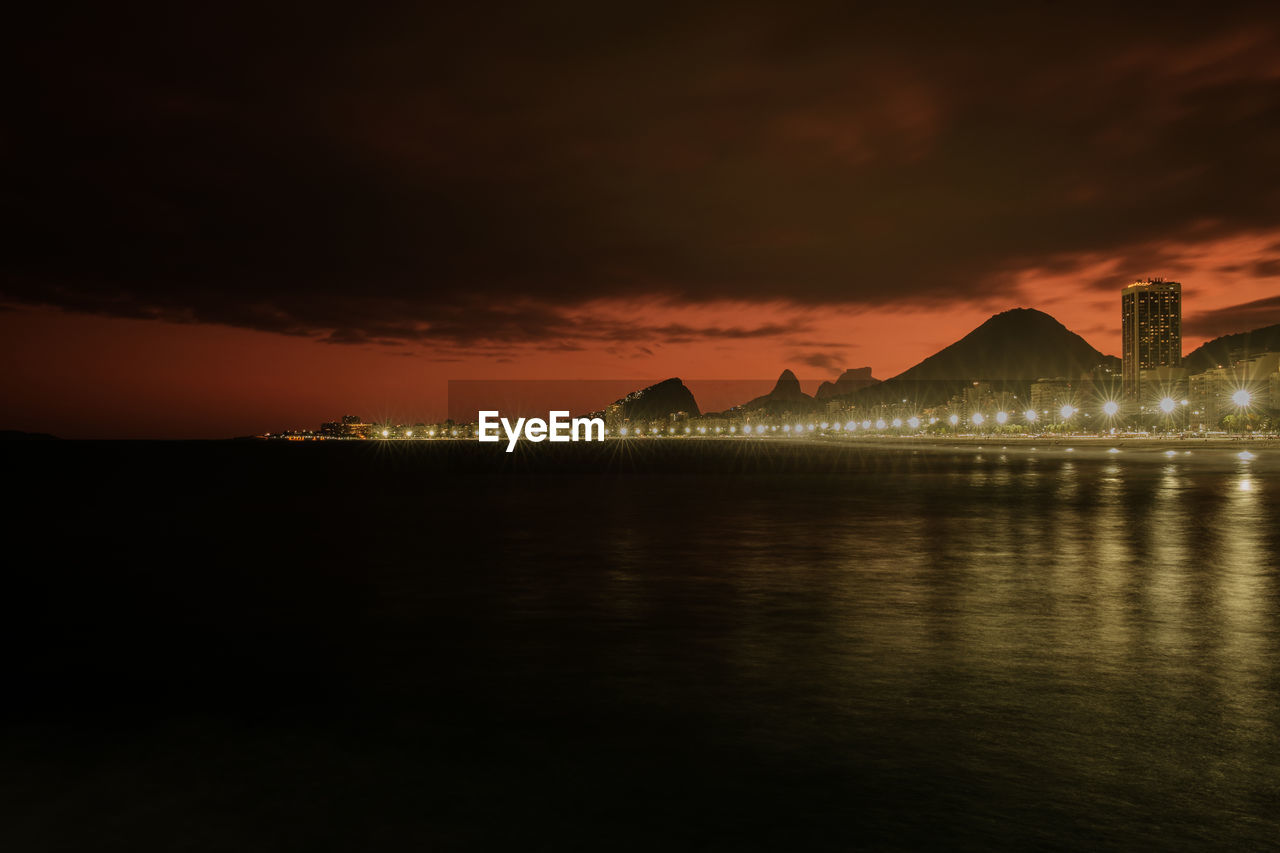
(234, 219)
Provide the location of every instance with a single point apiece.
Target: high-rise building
(1151, 322)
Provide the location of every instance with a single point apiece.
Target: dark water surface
(252, 646)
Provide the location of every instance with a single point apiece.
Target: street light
(977, 419)
(1167, 405)
(1030, 415)
(954, 419)
(1067, 411)
(1002, 417)
(1242, 398)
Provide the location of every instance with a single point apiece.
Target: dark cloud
(1269, 268)
(821, 359)
(471, 175)
(1236, 318)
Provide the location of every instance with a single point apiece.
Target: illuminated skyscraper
(1151, 323)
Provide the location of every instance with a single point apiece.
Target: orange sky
(83, 376)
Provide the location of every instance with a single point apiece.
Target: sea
(645, 645)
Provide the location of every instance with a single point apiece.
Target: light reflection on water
(1099, 632)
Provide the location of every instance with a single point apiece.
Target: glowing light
(734, 429)
(622, 431)
(786, 428)
(1171, 453)
(880, 424)
(1067, 411)
(824, 424)
(954, 419)
(687, 430)
(851, 426)
(1030, 415)
(1245, 456)
(1113, 450)
(1002, 417)
(913, 422)
(1241, 398)
(1109, 408)
(701, 430)
(386, 432)
(977, 418)
(866, 424)
(836, 427)
(1167, 405)
(810, 427)
(408, 433)
(760, 429)
(897, 423)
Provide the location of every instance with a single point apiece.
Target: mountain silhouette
(659, 401)
(1019, 344)
(1010, 350)
(853, 379)
(1228, 349)
(785, 398)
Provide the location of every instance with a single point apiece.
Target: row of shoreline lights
(1111, 408)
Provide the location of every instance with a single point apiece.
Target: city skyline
(417, 406)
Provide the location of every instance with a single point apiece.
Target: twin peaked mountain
(1017, 346)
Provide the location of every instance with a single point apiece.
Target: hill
(659, 401)
(1228, 349)
(785, 398)
(853, 379)
(1011, 350)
